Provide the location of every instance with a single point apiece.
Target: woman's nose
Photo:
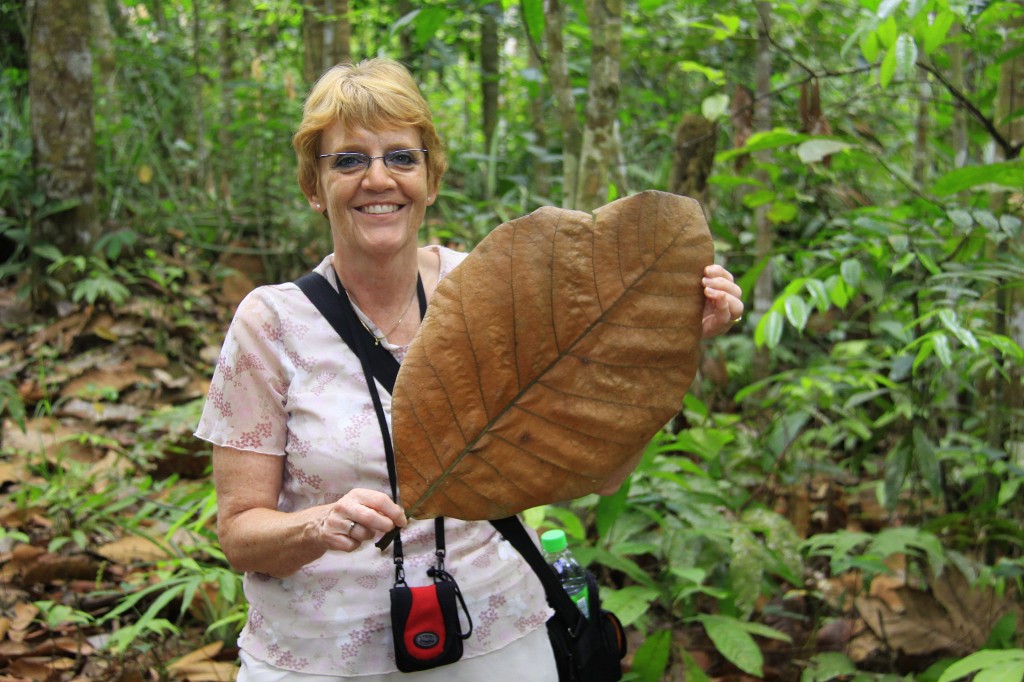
(377, 175)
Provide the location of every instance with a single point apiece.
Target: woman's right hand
(359, 516)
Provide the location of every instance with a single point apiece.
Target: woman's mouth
(379, 209)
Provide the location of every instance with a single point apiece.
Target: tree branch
(1010, 151)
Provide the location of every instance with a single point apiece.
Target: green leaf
(427, 23)
(936, 32)
(533, 17)
(886, 8)
(942, 351)
(762, 141)
(869, 46)
(714, 76)
(951, 322)
(610, 508)
(897, 466)
(828, 666)
(982, 660)
(887, 33)
(715, 106)
(769, 330)
(758, 198)
(927, 461)
(781, 212)
(1003, 175)
(796, 312)
(733, 642)
(837, 291)
(888, 69)
(47, 251)
(851, 271)
(914, 6)
(651, 659)
(629, 603)
(906, 55)
(962, 219)
(813, 151)
(818, 294)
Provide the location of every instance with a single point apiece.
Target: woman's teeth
(380, 208)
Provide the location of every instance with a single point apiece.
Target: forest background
(839, 496)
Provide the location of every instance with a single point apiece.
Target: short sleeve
(246, 407)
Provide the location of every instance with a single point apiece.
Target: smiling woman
(302, 479)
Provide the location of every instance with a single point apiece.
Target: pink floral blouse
(287, 385)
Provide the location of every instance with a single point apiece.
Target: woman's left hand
(723, 304)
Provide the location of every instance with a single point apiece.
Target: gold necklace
(384, 336)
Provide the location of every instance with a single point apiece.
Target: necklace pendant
(376, 341)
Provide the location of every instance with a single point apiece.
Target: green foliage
(889, 358)
(988, 666)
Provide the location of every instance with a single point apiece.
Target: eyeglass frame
(370, 160)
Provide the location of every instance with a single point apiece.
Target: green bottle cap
(553, 541)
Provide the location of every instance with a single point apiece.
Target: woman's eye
(402, 158)
(349, 161)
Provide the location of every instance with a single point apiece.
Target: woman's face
(378, 211)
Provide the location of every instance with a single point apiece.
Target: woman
(298, 458)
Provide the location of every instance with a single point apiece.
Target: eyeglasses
(400, 161)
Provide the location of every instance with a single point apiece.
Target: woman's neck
(385, 292)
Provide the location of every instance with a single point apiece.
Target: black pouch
(425, 623)
(588, 650)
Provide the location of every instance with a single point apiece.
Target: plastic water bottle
(564, 564)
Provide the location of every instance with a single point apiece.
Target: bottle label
(583, 601)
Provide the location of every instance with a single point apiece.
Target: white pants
(528, 659)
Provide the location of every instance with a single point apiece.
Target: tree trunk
(693, 155)
(490, 75)
(961, 152)
(327, 36)
(764, 293)
(561, 88)
(226, 66)
(201, 144)
(538, 125)
(61, 110)
(1009, 395)
(922, 148)
(599, 144)
(103, 45)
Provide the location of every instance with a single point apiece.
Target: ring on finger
(351, 525)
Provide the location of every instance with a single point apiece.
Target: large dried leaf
(550, 357)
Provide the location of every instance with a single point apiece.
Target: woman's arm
(256, 537)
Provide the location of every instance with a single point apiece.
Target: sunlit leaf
(796, 312)
(887, 7)
(906, 55)
(937, 31)
(888, 68)
(781, 212)
(1003, 175)
(869, 46)
(814, 151)
(551, 356)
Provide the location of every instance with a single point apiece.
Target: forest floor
(106, 503)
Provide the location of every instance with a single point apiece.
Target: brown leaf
(132, 548)
(551, 356)
(954, 618)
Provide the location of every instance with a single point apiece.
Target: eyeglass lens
(403, 160)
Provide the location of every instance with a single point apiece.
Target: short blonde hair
(375, 94)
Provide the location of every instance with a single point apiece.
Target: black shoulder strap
(514, 531)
